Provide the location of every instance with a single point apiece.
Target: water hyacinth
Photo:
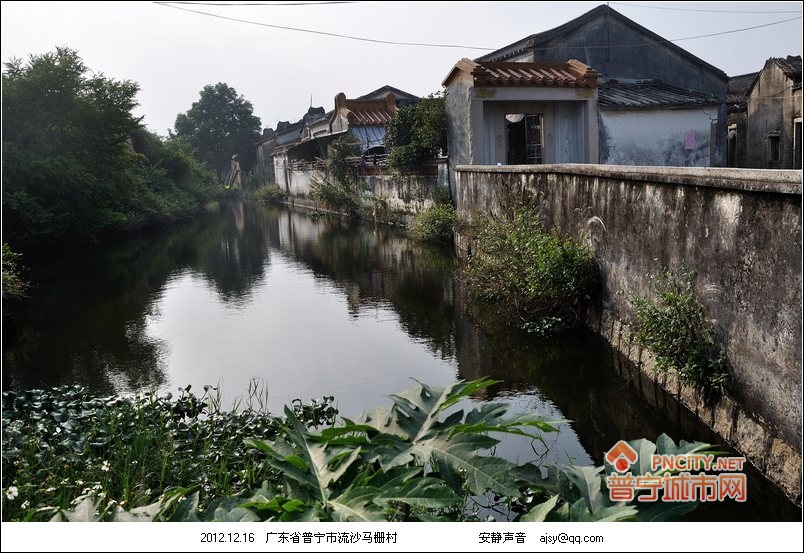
(128, 450)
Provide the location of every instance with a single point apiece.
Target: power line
(432, 45)
(336, 35)
(693, 10)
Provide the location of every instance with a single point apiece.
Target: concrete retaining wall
(738, 229)
(402, 195)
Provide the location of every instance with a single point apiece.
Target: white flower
(12, 492)
(106, 466)
(25, 504)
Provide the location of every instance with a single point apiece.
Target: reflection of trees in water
(374, 264)
(85, 322)
(235, 257)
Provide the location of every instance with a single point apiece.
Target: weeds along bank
(735, 232)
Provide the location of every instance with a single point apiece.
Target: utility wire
(693, 10)
(400, 43)
(336, 35)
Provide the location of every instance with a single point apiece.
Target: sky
(282, 56)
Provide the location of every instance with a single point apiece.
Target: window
(774, 147)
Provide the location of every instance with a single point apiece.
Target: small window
(775, 150)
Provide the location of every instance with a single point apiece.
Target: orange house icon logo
(621, 456)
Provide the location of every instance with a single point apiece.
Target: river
(250, 296)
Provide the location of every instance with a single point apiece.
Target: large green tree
(417, 133)
(64, 145)
(220, 124)
(76, 162)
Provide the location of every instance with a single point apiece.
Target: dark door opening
(524, 135)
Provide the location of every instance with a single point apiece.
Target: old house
(657, 103)
(366, 119)
(773, 123)
(736, 116)
(521, 113)
(291, 154)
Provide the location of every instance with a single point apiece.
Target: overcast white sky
(172, 53)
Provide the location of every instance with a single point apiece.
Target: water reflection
(312, 308)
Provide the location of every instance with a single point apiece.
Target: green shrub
(540, 278)
(270, 193)
(676, 330)
(434, 225)
(336, 196)
(13, 284)
(338, 190)
(417, 134)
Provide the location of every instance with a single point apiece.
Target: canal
(248, 296)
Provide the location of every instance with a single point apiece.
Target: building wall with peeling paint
(679, 137)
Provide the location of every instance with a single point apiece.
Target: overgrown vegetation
(675, 328)
(426, 458)
(66, 444)
(77, 163)
(339, 189)
(541, 279)
(14, 286)
(417, 133)
(434, 225)
(270, 193)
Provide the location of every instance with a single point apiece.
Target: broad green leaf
(588, 481)
(424, 492)
(539, 512)
(139, 514)
(187, 510)
(482, 473)
(357, 505)
(579, 512)
(83, 512)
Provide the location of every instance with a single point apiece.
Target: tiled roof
(790, 66)
(648, 94)
(739, 86)
(368, 112)
(380, 93)
(570, 74)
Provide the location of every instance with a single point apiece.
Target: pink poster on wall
(689, 140)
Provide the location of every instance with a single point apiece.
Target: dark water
(249, 295)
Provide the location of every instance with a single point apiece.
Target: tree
(64, 146)
(221, 123)
(417, 133)
(76, 162)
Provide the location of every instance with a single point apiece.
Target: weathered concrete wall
(400, 194)
(739, 229)
(677, 137)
